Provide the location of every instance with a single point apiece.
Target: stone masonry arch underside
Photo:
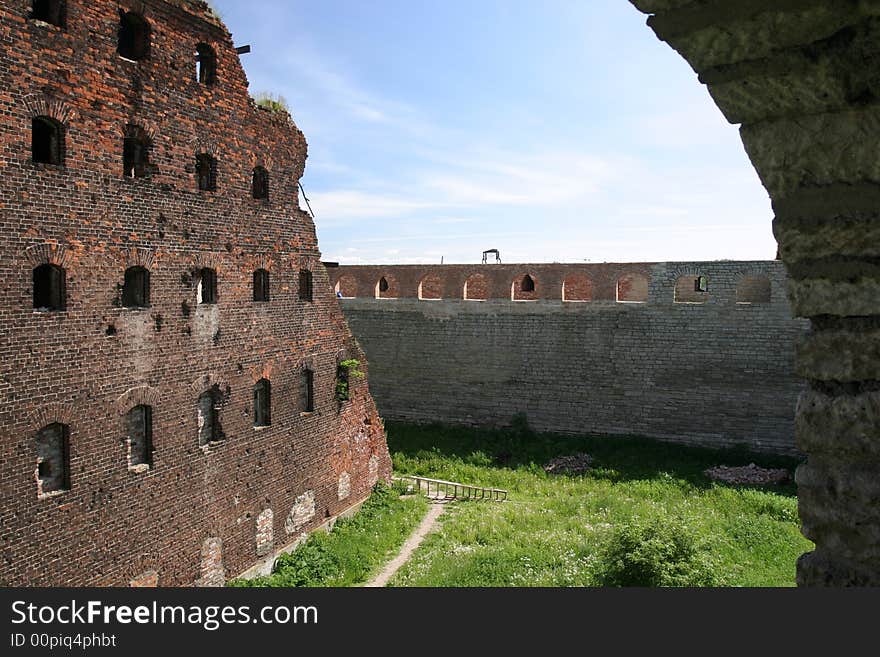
(802, 77)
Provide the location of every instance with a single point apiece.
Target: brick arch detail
(208, 381)
(46, 414)
(210, 261)
(140, 396)
(49, 253)
(140, 257)
(151, 130)
(39, 104)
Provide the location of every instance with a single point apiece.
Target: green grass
(560, 530)
(355, 550)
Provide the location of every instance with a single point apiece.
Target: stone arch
(632, 288)
(431, 287)
(577, 288)
(691, 286)
(808, 115)
(476, 287)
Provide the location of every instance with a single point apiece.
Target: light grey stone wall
(716, 373)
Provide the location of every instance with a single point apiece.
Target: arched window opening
(346, 287)
(139, 434)
(691, 289)
(384, 289)
(527, 284)
(260, 185)
(206, 65)
(53, 458)
(53, 12)
(262, 403)
(206, 172)
(632, 288)
(261, 285)
(209, 403)
(136, 290)
(524, 289)
(431, 288)
(307, 391)
(305, 285)
(50, 288)
(207, 289)
(753, 289)
(577, 288)
(47, 141)
(134, 36)
(476, 288)
(135, 153)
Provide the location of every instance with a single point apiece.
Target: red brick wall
(587, 282)
(193, 515)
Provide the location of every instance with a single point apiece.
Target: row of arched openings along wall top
(576, 288)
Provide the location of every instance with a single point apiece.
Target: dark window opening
(383, 285)
(207, 291)
(261, 285)
(260, 186)
(307, 391)
(47, 141)
(50, 288)
(305, 285)
(209, 404)
(139, 430)
(262, 403)
(206, 170)
(53, 458)
(206, 64)
(701, 284)
(134, 36)
(50, 11)
(528, 284)
(136, 291)
(135, 153)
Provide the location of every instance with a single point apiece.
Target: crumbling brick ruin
(801, 77)
(169, 339)
(695, 352)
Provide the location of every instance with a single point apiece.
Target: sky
(553, 131)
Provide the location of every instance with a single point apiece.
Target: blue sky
(554, 131)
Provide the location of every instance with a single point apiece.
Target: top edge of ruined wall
(657, 6)
(200, 9)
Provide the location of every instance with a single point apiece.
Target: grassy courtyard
(641, 498)
(644, 514)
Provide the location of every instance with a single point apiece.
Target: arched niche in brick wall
(524, 287)
(386, 287)
(577, 288)
(431, 287)
(476, 288)
(632, 288)
(346, 287)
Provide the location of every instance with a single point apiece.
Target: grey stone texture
(717, 373)
(801, 76)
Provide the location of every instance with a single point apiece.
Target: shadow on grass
(615, 458)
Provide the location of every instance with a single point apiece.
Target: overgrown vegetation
(344, 371)
(645, 514)
(272, 102)
(355, 550)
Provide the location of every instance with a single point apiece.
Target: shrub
(661, 551)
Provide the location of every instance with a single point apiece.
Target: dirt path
(427, 525)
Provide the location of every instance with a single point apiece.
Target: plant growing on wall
(344, 371)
